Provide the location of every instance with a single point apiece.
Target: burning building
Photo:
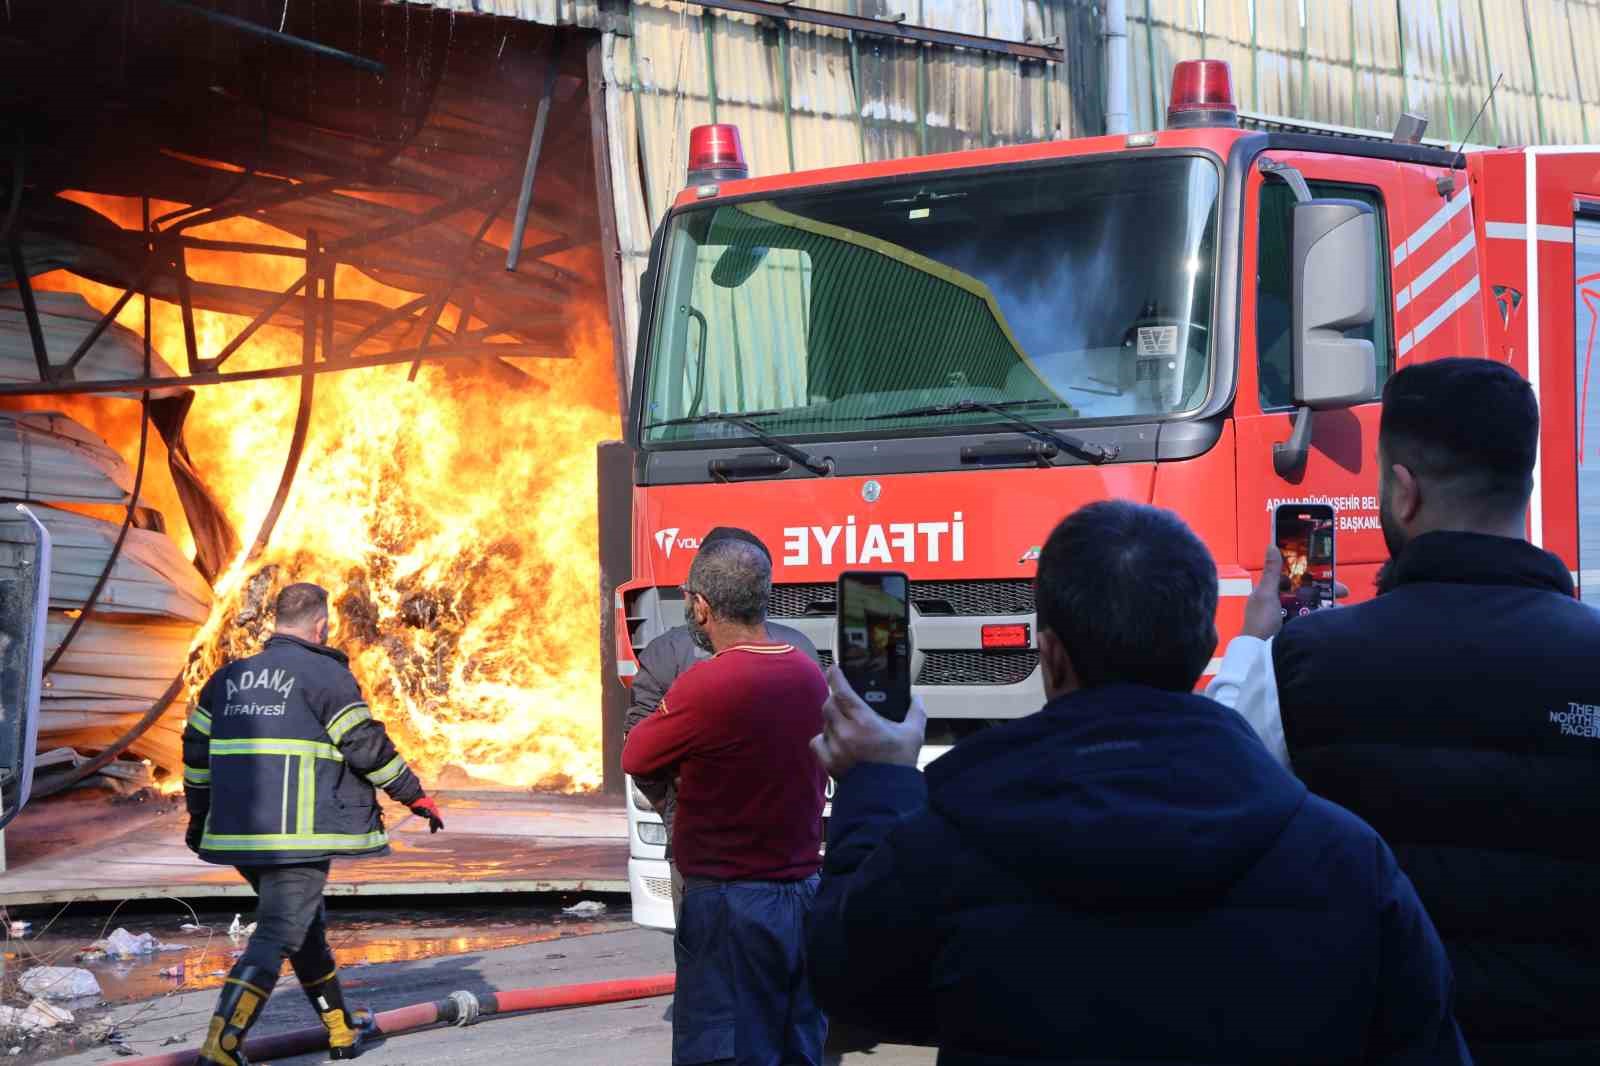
(324, 303)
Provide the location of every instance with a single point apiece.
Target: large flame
(452, 520)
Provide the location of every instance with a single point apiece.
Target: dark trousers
(290, 920)
(743, 995)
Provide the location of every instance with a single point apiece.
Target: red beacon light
(1202, 95)
(715, 154)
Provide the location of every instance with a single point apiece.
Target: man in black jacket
(1125, 876)
(660, 663)
(1457, 711)
(280, 759)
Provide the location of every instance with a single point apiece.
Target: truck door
(1341, 468)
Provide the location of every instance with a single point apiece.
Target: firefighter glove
(427, 808)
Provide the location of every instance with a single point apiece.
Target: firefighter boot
(244, 994)
(345, 1029)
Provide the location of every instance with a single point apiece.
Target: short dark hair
(1469, 426)
(1131, 593)
(298, 604)
(735, 578)
(735, 533)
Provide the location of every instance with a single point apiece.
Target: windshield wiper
(1094, 453)
(743, 421)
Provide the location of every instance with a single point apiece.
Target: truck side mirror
(1335, 289)
(24, 603)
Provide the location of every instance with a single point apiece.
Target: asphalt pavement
(619, 1034)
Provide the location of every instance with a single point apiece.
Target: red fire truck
(923, 364)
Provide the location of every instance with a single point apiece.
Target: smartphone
(873, 644)
(1303, 533)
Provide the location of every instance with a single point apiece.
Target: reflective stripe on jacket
(282, 758)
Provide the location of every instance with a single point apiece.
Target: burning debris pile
(453, 524)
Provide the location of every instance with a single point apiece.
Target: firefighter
(281, 758)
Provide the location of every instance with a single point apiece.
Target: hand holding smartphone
(1303, 534)
(873, 642)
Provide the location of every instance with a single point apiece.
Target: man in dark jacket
(1456, 712)
(1125, 876)
(280, 759)
(660, 663)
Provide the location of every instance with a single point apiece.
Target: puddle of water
(360, 938)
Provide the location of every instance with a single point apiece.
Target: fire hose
(458, 1008)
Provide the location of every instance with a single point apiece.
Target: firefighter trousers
(290, 920)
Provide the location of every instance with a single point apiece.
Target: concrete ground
(620, 1034)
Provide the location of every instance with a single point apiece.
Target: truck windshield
(1082, 290)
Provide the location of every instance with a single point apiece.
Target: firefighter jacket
(281, 758)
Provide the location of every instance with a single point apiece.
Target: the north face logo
(1578, 720)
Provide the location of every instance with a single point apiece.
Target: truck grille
(947, 598)
(801, 601)
(967, 598)
(968, 667)
(977, 667)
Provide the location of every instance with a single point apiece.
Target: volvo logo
(871, 491)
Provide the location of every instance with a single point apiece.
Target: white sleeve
(1246, 682)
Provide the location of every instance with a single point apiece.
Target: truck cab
(924, 364)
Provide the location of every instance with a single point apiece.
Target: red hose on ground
(420, 1015)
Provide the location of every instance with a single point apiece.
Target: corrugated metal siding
(584, 13)
(1355, 63)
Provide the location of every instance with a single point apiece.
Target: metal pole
(1115, 43)
(372, 66)
(520, 228)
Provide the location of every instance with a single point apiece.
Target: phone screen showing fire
(1305, 537)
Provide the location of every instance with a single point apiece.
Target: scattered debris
(238, 929)
(124, 945)
(59, 982)
(18, 928)
(172, 971)
(117, 1040)
(90, 955)
(190, 927)
(589, 908)
(36, 1017)
(56, 1015)
(169, 1041)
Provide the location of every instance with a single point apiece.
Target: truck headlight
(653, 833)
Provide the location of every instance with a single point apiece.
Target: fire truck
(924, 364)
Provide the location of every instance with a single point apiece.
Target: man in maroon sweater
(737, 729)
